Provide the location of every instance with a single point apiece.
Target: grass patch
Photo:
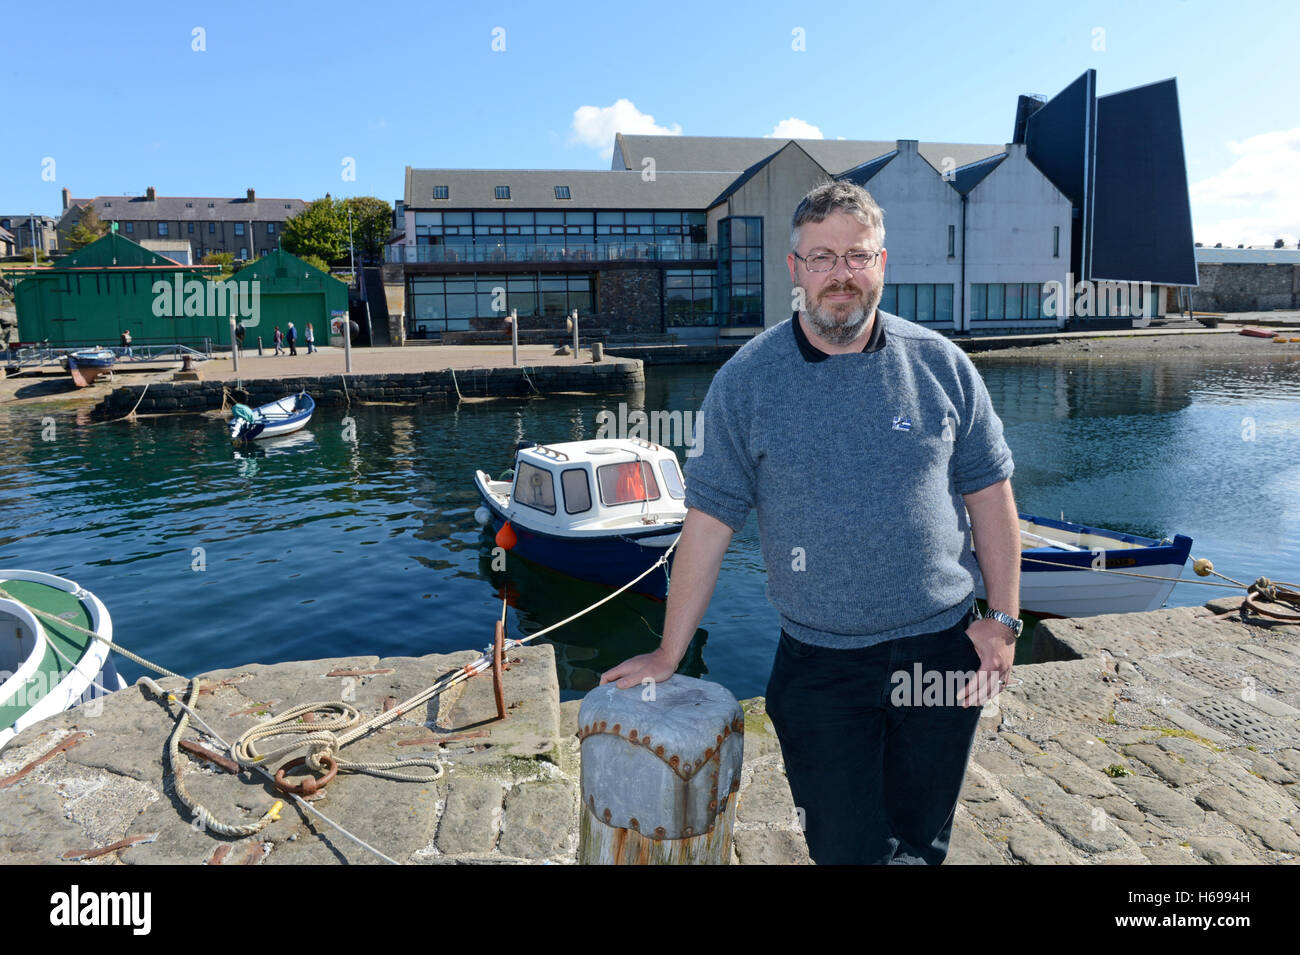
(1115, 770)
(1185, 734)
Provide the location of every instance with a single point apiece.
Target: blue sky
(277, 96)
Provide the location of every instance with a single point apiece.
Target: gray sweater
(855, 465)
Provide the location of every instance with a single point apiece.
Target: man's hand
(996, 645)
(656, 665)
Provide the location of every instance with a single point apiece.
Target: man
(293, 339)
(311, 339)
(857, 437)
(126, 343)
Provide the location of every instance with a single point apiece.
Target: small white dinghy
(271, 420)
(49, 664)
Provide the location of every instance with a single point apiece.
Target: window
(130, 227)
(270, 228)
(534, 487)
(239, 228)
(162, 228)
(577, 490)
(629, 483)
(212, 205)
(189, 205)
(243, 252)
(212, 227)
(503, 192)
(441, 192)
(952, 241)
(672, 478)
(190, 230)
(1056, 241)
(561, 192)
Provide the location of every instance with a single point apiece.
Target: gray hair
(837, 195)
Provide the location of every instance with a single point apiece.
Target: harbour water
(358, 536)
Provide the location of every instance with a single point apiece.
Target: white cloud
(1257, 198)
(794, 128)
(595, 126)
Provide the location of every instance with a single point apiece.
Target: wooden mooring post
(660, 771)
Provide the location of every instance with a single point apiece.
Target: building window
(1056, 241)
(189, 205)
(190, 228)
(952, 241)
(441, 192)
(239, 228)
(130, 227)
(212, 227)
(243, 252)
(561, 192)
(740, 270)
(690, 297)
(1007, 301)
(503, 192)
(162, 228)
(931, 304)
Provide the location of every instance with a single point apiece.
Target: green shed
(113, 284)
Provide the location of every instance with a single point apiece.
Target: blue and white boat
(602, 510)
(87, 365)
(271, 420)
(1073, 570)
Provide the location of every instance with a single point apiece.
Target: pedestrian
(862, 440)
(311, 339)
(278, 338)
(126, 343)
(293, 339)
(239, 336)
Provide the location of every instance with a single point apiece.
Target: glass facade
(560, 230)
(919, 303)
(440, 303)
(1007, 301)
(740, 271)
(690, 297)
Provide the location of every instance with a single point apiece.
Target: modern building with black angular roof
(688, 235)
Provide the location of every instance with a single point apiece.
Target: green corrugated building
(113, 284)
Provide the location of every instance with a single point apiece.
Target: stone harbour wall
(617, 376)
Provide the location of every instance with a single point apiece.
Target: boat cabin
(597, 485)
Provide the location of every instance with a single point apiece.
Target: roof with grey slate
(193, 208)
(861, 175)
(718, 153)
(588, 189)
(966, 178)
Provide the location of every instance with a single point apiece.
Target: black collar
(810, 352)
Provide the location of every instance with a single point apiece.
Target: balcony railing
(604, 252)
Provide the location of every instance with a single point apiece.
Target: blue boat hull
(611, 561)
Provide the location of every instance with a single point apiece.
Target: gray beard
(834, 331)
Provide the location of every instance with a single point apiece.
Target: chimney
(151, 193)
(251, 195)
(67, 199)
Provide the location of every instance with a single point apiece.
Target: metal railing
(37, 355)
(601, 252)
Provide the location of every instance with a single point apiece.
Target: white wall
(1009, 220)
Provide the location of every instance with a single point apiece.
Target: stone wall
(629, 300)
(614, 377)
(1256, 287)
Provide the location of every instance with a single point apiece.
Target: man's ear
(789, 262)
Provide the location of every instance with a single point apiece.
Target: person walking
(293, 339)
(278, 338)
(126, 343)
(310, 336)
(239, 336)
(870, 451)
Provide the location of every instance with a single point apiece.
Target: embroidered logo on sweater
(902, 424)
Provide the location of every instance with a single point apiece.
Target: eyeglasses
(825, 261)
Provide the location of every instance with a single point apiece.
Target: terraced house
(688, 235)
(246, 227)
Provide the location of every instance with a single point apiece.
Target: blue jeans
(875, 757)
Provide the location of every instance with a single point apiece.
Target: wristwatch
(1014, 623)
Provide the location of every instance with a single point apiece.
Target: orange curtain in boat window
(631, 486)
(627, 483)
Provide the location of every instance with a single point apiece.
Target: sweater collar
(811, 353)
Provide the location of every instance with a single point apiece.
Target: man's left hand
(996, 646)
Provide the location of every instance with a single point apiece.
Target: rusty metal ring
(310, 785)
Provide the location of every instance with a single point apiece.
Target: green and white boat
(48, 664)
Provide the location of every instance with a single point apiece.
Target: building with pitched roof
(247, 227)
(689, 234)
